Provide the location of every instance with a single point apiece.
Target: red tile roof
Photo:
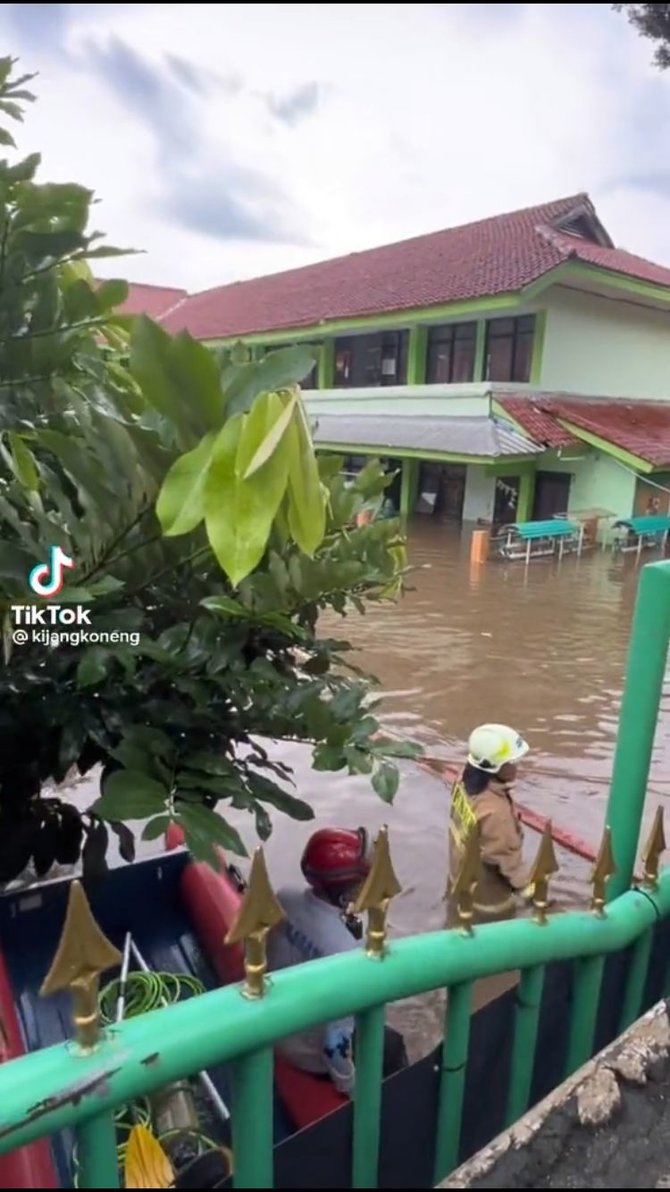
(150, 300)
(542, 428)
(639, 427)
(492, 256)
(615, 259)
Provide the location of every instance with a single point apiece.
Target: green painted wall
(605, 348)
(599, 483)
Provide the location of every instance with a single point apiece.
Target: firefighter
(335, 863)
(481, 802)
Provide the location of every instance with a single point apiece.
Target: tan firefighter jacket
(502, 872)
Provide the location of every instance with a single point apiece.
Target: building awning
(392, 434)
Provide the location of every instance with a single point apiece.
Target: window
(451, 353)
(370, 360)
(509, 347)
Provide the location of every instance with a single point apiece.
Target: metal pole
(205, 1080)
(123, 979)
(645, 672)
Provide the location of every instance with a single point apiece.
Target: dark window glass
(509, 348)
(364, 361)
(451, 353)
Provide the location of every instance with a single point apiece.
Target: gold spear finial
(258, 914)
(379, 887)
(603, 870)
(545, 865)
(83, 954)
(466, 882)
(653, 850)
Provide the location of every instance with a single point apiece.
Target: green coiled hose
(144, 992)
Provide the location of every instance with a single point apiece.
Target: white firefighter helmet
(491, 746)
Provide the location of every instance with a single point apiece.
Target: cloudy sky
(230, 140)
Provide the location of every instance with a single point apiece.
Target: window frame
(448, 334)
(515, 334)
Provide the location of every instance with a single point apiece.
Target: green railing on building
(64, 1086)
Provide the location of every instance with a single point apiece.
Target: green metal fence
(64, 1086)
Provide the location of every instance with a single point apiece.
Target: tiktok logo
(46, 579)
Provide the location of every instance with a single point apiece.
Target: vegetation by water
(184, 487)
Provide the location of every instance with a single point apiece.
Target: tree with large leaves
(207, 539)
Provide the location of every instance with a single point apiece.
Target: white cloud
(341, 126)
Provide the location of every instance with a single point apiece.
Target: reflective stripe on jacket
(502, 872)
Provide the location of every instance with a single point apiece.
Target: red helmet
(336, 857)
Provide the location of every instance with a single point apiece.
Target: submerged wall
(606, 1127)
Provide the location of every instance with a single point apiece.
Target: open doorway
(506, 501)
(441, 491)
(650, 499)
(552, 494)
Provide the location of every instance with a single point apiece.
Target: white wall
(450, 401)
(480, 492)
(604, 347)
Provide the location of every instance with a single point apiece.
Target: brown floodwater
(542, 648)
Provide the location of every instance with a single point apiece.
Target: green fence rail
(64, 1086)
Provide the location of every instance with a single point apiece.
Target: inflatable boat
(179, 912)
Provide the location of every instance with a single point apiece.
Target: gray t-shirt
(313, 929)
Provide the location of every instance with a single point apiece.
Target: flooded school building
(510, 370)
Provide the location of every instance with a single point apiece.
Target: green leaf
(277, 370)
(6, 138)
(272, 439)
(24, 170)
(328, 757)
(181, 501)
(25, 467)
(263, 822)
(156, 827)
(112, 293)
(269, 792)
(360, 761)
(151, 366)
(130, 795)
(307, 507)
(10, 109)
(15, 562)
(196, 373)
(225, 605)
(211, 763)
(201, 824)
(385, 781)
(92, 667)
(239, 513)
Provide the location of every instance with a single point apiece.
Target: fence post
(97, 1160)
(645, 672)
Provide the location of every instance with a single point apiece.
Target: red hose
(573, 844)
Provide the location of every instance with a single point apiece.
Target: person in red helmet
(334, 864)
